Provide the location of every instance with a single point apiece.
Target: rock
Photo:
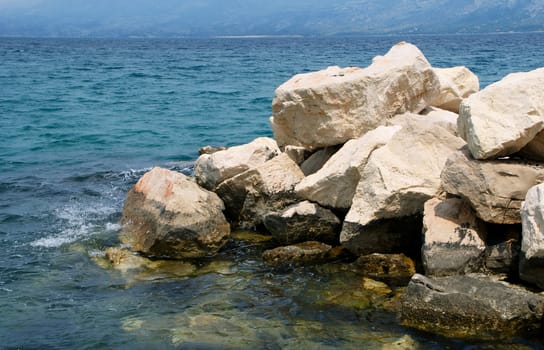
(251, 195)
(335, 183)
(317, 160)
(399, 177)
(505, 116)
(296, 153)
(456, 83)
(311, 252)
(390, 267)
(470, 306)
(453, 238)
(303, 222)
(503, 258)
(210, 149)
(168, 215)
(212, 169)
(332, 106)
(495, 188)
(442, 117)
(532, 244)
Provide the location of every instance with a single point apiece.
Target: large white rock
(505, 116)
(456, 83)
(212, 169)
(168, 215)
(398, 179)
(452, 238)
(334, 185)
(532, 244)
(335, 105)
(430, 115)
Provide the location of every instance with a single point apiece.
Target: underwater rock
(311, 252)
(391, 267)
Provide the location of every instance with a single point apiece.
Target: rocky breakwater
(378, 163)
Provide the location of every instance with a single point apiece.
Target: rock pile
(378, 160)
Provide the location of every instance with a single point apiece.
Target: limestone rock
(532, 243)
(470, 306)
(456, 83)
(168, 215)
(505, 116)
(399, 177)
(332, 106)
(303, 222)
(503, 258)
(494, 188)
(397, 267)
(442, 117)
(453, 238)
(334, 185)
(269, 187)
(209, 149)
(212, 169)
(296, 153)
(305, 253)
(317, 160)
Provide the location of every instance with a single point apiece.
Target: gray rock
(304, 253)
(296, 153)
(532, 244)
(503, 257)
(494, 188)
(317, 160)
(470, 306)
(391, 267)
(168, 215)
(304, 221)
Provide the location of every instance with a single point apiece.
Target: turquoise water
(81, 120)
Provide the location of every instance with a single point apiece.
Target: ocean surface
(81, 120)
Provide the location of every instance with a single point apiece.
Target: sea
(82, 119)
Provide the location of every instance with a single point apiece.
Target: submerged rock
(456, 84)
(332, 106)
(168, 215)
(470, 307)
(532, 244)
(304, 253)
(303, 222)
(390, 267)
(504, 117)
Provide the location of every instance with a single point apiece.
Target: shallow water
(82, 120)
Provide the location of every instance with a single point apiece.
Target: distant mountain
(171, 18)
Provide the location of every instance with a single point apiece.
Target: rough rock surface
(505, 116)
(296, 153)
(305, 253)
(303, 222)
(335, 183)
(332, 106)
(317, 160)
(442, 117)
(396, 267)
(253, 194)
(168, 215)
(453, 238)
(456, 83)
(470, 306)
(532, 243)
(494, 188)
(399, 177)
(503, 258)
(212, 169)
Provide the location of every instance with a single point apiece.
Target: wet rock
(168, 215)
(251, 195)
(470, 306)
(453, 238)
(303, 222)
(317, 160)
(335, 183)
(399, 177)
(212, 169)
(494, 188)
(391, 267)
(332, 106)
(304, 253)
(456, 84)
(504, 117)
(532, 244)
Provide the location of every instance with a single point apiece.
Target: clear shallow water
(81, 120)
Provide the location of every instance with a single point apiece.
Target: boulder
(212, 169)
(503, 258)
(303, 222)
(168, 215)
(456, 83)
(442, 117)
(209, 149)
(296, 153)
(532, 244)
(453, 240)
(494, 188)
(269, 187)
(390, 267)
(399, 178)
(332, 106)
(335, 183)
(470, 306)
(504, 117)
(304, 253)
(317, 160)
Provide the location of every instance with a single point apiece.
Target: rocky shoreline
(398, 165)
